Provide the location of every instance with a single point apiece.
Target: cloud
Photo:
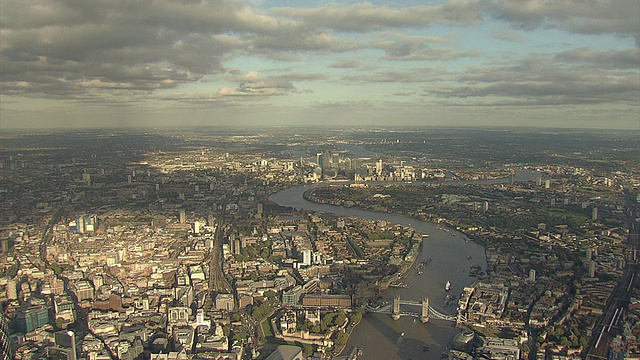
(414, 48)
(618, 17)
(416, 75)
(363, 17)
(506, 36)
(539, 80)
(612, 59)
(77, 49)
(274, 45)
(129, 50)
(347, 64)
(251, 86)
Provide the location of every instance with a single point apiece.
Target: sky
(157, 63)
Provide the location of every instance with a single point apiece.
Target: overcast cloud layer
(158, 62)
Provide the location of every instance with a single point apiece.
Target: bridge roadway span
(430, 311)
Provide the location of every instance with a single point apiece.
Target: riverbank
(405, 270)
(350, 329)
(447, 225)
(378, 335)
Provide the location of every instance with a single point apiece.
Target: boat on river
(447, 286)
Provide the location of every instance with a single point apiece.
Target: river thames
(452, 254)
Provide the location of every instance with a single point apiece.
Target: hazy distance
(499, 63)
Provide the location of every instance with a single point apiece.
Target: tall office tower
(319, 159)
(532, 275)
(196, 227)
(379, 167)
(306, 257)
(183, 216)
(547, 184)
(129, 179)
(592, 268)
(6, 351)
(210, 220)
(594, 213)
(259, 211)
(235, 246)
(81, 225)
(335, 159)
(589, 254)
(67, 340)
(326, 163)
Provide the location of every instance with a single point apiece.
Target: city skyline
(69, 64)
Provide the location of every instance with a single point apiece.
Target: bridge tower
(424, 317)
(395, 310)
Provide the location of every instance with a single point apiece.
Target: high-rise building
(379, 167)
(67, 340)
(347, 164)
(532, 275)
(6, 350)
(235, 246)
(32, 317)
(260, 209)
(80, 224)
(183, 216)
(306, 257)
(592, 268)
(594, 213)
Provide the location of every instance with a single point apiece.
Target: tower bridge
(426, 310)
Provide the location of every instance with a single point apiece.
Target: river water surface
(452, 254)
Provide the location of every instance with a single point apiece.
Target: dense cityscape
(190, 244)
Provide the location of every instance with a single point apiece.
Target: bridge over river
(399, 307)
